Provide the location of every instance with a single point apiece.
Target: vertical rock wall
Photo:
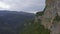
(50, 12)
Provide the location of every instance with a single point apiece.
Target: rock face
(51, 16)
(51, 11)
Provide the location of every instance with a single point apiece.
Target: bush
(57, 18)
(40, 13)
(35, 28)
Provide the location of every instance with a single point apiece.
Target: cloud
(4, 6)
(25, 5)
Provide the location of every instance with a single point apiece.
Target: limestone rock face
(51, 11)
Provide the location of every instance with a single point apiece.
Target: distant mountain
(12, 21)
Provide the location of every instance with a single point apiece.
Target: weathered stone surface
(51, 11)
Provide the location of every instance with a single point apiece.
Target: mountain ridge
(12, 21)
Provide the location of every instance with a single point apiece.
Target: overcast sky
(23, 5)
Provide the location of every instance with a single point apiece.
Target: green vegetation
(35, 28)
(40, 13)
(57, 18)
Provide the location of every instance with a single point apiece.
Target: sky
(31, 6)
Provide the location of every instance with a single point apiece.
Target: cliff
(46, 21)
(51, 16)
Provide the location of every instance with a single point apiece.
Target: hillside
(11, 22)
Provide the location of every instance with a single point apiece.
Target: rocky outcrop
(51, 11)
(51, 17)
